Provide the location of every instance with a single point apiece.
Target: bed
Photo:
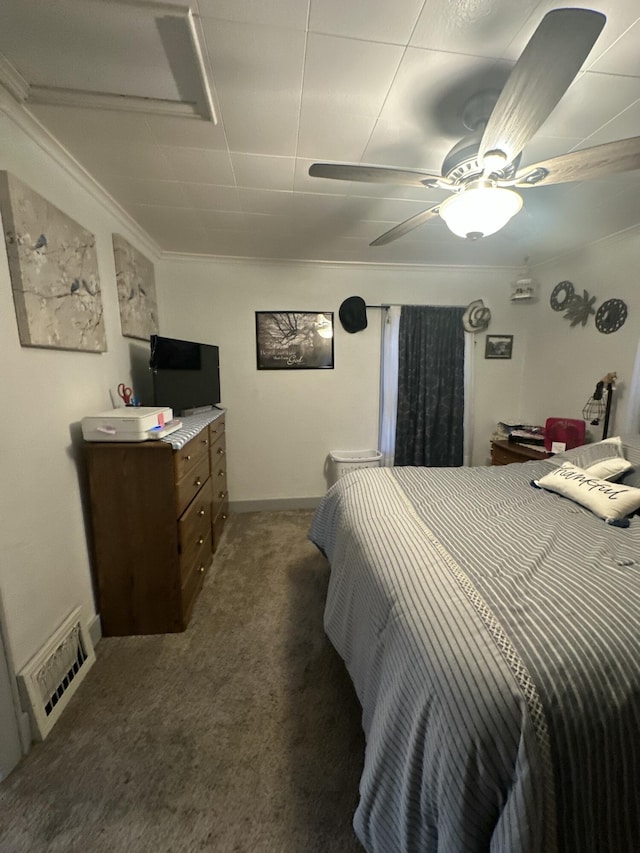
(491, 628)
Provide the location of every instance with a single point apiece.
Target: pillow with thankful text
(610, 501)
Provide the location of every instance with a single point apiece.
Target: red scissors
(125, 393)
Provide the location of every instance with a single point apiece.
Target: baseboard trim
(274, 504)
(95, 630)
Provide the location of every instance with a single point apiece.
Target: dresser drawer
(218, 451)
(188, 457)
(194, 578)
(193, 528)
(216, 429)
(219, 493)
(191, 483)
(219, 522)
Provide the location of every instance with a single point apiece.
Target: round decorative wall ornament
(561, 295)
(611, 316)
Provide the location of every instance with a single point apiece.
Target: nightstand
(506, 452)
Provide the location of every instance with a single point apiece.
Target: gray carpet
(241, 734)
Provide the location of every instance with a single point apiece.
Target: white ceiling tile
(589, 103)
(199, 164)
(391, 210)
(544, 147)
(623, 57)
(291, 14)
(626, 124)
(135, 191)
(370, 20)
(133, 159)
(266, 201)
(347, 75)
(263, 172)
(480, 28)
(110, 127)
(170, 227)
(333, 135)
(620, 15)
(225, 220)
(211, 197)
(258, 78)
(186, 132)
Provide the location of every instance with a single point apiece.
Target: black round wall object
(561, 295)
(611, 316)
(353, 314)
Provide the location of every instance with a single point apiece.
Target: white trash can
(345, 461)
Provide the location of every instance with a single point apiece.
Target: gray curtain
(430, 422)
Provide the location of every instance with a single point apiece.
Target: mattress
(492, 634)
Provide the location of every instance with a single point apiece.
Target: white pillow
(609, 469)
(610, 501)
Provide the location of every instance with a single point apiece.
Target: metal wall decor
(580, 308)
(611, 316)
(561, 295)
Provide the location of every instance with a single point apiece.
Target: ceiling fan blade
(372, 174)
(620, 156)
(406, 226)
(543, 73)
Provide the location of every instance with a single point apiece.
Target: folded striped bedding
(492, 633)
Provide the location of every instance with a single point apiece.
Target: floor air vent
(54, 674)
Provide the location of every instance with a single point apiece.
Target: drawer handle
(205, 441)
(201, 569)
(221, 451)
(197, 482)
(220, 473)
(200, 512)
(200, 541)
(224, 517)
(222, 495)
(187, 457)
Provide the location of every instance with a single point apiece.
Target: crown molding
(12, 80)
(37, 133)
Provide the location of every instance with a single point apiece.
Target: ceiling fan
(482, 169)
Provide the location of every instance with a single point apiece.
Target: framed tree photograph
(498, 346)
(294, 340)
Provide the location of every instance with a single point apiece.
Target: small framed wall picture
(294, 340)
(498, 346)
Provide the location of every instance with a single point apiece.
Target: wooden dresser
(506, 452)
(158, 510)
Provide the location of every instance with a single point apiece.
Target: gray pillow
(631, 448)
(591, 454)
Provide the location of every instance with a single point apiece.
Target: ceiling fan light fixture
(480, 210)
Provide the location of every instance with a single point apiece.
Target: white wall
(44, 569)
(563, 363)
(282, 424)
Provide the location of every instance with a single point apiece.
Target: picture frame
(294, 340)
(135, 280)
(53, 266)
(498, 346)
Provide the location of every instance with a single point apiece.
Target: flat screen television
(186, 374)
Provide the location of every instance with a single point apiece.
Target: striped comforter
(492, 632)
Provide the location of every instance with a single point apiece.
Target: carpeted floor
(241, 734)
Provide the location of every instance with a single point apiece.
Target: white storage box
(130, 423)
(345, 461)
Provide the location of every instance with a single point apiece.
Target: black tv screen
(186, 374)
